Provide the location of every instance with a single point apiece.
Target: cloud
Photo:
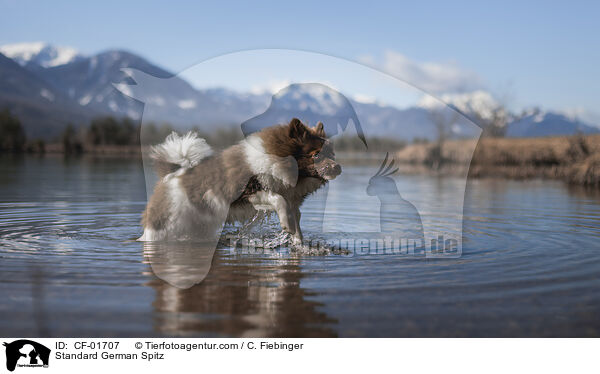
(431, 77)
(270, 87)
(582, 114)
(364, 99)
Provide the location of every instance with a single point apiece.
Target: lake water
(69, 265)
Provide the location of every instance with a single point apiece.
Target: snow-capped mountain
(542, 123)
(533, 123)
(48, 87)
(311, 103)
(89, 81)
(42, 108)
(167, 98)
(316, 98)
(479, 101)
(40, 53)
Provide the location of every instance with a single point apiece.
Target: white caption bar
(40, 356)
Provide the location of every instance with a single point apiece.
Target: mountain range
(48, 87)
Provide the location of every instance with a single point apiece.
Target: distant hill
(43, 109)
(539, 123)
(48, 87)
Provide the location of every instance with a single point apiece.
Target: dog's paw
(296, 241)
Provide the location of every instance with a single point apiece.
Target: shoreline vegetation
(574, 159)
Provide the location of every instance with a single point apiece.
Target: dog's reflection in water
(229, 294)
(181, 264)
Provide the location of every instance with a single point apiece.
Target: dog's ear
(296, 128)
(319, 130)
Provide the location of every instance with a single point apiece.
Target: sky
(528, 53)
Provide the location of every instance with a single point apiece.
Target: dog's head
(317, 158)
(308, 145)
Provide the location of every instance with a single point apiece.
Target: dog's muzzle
(331, 171)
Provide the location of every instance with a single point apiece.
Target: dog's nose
(337, 169)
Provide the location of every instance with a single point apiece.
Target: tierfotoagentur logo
(363, 202)
(26, 353)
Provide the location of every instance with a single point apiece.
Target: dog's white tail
(179, 152)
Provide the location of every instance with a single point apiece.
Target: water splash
(262, 234)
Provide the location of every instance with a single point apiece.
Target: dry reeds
(575, 159)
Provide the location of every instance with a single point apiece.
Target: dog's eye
(315, 156)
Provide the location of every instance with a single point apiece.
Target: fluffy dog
(274, 169)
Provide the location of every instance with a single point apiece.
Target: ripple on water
(530, 267)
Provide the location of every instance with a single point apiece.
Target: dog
(274, 169)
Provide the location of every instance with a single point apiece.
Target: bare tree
(494, 120)
(494, 123)
(443, 119)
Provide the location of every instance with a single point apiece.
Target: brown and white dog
(274, 169)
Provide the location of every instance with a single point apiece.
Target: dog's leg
(287, 215)
(297, 215)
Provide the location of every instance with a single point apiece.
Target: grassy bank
(574, 159)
